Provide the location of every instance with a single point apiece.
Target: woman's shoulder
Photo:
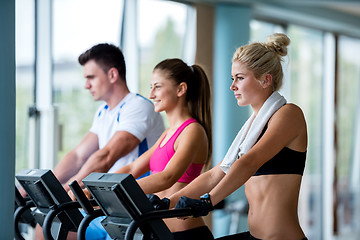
(291, 107)
(193, 130)
(290, 116)
(288, 126)
(289, 111)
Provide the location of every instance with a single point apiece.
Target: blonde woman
(267, 156)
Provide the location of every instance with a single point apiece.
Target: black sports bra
(287, 161)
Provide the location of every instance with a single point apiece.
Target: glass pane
(260, 30)
(25, 58)
(77, 26)
(161, 34)
(306, 52)
(348, 193)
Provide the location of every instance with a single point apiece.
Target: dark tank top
(287, 161)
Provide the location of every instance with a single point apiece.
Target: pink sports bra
(162, 155)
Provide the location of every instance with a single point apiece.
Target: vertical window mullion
(129, 44)
(328, 135)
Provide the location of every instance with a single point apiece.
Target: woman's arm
(202, 184)
(141, 165)
(190, 147)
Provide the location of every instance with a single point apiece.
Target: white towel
(251, 130)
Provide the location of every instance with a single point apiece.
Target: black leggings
(242, 236)
(202, 233)
(239, 236)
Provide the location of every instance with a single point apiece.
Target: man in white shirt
(123, 127)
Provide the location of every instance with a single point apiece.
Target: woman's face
(163, 91)
(246, 87)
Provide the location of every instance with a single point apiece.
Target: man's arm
(73, 161)
(102, 160)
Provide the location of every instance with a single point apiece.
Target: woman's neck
(177, 116)
(262, 99)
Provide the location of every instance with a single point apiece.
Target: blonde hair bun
(278, 43)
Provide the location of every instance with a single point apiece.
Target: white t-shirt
(134, 114)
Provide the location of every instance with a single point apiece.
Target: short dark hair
(106, 56)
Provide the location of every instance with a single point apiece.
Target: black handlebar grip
(81, 197)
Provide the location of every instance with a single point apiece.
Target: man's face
(96, 81)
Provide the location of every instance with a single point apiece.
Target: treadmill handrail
(53, 213)
(17, 216)
(86, 221)
(152, 215)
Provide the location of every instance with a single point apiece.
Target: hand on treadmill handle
(199, 207)
(159, 204)
(23, 192)
(75, 187)
(72, 195)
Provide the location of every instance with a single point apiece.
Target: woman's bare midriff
(273, 206)
(175, 224)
